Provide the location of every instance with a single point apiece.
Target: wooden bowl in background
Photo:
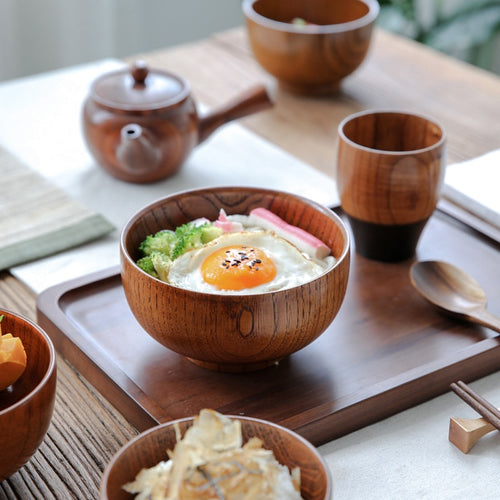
(234, 333)
(314, 58)
(26, 407)
(150, 447)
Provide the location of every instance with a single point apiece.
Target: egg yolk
(237, 268)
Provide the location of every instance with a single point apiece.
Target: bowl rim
(317, 206)
(369, 17)
(367, 112)
(50, 369)
(159, 427)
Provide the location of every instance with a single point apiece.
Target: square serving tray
(386, 351)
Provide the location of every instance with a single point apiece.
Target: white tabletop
(407, 456)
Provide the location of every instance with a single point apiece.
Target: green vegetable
(160, 249)
(146, 264)
(161, 263)
(163, 241)
(298, 21)
(190, 236)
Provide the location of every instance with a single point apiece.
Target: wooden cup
(390, 170)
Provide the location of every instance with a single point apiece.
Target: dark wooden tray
(386, 351)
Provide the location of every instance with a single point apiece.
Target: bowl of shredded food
(215, 456)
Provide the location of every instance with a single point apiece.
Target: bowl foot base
(314, 89)
(233, 367)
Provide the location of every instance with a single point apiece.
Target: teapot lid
(139, 88)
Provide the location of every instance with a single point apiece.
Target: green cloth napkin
(37, 219)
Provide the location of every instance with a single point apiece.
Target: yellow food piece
(12, 360)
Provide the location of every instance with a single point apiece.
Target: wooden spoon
(453, 291)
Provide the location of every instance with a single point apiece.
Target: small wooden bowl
(234, 333)
(26, 407)
(150, 447)
(310, 59)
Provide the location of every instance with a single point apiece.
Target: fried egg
(245, 262)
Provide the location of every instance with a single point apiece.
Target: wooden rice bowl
(234, 333)
(310, 59)
(26, 407)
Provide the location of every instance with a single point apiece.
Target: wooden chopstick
(481, 405)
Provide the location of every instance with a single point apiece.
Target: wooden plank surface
(84, 433)
(86, 429)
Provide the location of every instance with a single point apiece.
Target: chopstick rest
(464, 433)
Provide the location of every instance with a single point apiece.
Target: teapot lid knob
(139, 88)
(140, 71)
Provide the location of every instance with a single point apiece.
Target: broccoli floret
(146, 264)
(161, 263)
(158, 250)
(209, 232)
(163, 241)
(191, 236)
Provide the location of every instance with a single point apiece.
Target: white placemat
(474, 186)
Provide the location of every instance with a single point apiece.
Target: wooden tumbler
(390, 170)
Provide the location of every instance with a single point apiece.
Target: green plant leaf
(463, 33)
(392, 19)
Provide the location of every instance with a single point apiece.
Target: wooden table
(86, 430)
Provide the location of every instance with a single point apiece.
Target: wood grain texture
(234, 332)
(311, 59)
(150, 447)
(390, 167)
(390, 171)
(26, 407)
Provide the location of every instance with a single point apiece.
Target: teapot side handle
(252, 101)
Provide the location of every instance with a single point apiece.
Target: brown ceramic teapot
(141, 124)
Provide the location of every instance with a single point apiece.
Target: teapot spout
(252, 101)
(137, 150)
